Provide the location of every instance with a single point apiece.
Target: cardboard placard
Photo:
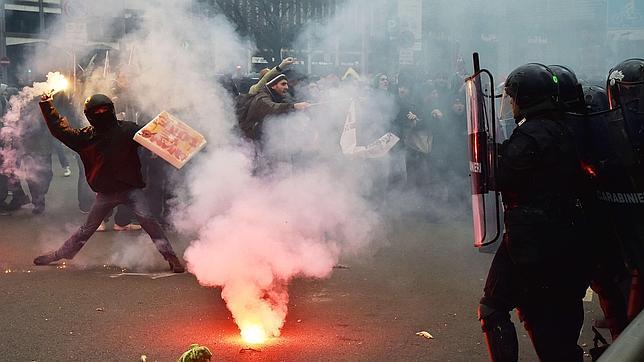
(171, 139)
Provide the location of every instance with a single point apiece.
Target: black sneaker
(47, 258)
(175, 264)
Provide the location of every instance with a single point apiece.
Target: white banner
(348, 140)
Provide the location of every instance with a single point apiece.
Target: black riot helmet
(534, 88)
(571, 95)
(595, 99)
(99, 110)
(625, 85)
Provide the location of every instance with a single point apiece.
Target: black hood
(102, 121)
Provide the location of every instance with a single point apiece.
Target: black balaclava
(102, 121)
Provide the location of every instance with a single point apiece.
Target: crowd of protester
(429, 120)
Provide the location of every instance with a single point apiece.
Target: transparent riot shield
(482, 129)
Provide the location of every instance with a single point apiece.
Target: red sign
(5, 61)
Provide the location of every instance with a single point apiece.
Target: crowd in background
(429, 118)
(430, 121)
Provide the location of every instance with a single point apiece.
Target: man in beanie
(267, 74)
(112, 169)
(269, 101)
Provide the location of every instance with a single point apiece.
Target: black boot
(500, 334)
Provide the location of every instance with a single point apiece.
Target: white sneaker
(67, 172)
(128, 227)
(102, 227)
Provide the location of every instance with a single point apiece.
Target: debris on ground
(150, 275)
(425, 334)
(99, 309)
(196, 353)
(244, 350)
(341, 266)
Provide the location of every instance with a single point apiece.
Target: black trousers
(86, 196)
(133, 199)
(39, 175)
(548, 297)
(158, 186)
(4, 188)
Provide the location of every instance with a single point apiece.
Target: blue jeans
(103, 205)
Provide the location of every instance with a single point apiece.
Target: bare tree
(272, 24)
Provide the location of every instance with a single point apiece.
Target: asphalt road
(419, 277)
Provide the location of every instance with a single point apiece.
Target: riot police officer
(619, 146)
(582, 105)
(538, 268)
(609, 270)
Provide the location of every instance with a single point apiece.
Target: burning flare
(253, 334)
(56, 82)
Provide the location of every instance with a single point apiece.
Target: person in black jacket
(112, 169)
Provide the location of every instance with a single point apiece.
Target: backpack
(242, 106)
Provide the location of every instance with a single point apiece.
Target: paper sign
(171, 139)
(376, 149)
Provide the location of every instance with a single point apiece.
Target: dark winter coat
(110, 157)
(538, 175)
(262, 105)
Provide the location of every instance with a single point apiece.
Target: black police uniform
(539, 267)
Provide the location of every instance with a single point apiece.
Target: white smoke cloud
(275, 230)
(253, 233)
(23, 120)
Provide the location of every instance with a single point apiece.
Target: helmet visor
(628, 95)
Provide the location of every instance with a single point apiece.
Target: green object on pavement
(196, 353)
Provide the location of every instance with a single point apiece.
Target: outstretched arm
(59, 126)
(270, 75)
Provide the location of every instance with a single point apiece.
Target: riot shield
(482, 129)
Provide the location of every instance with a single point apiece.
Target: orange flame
(253, 334)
